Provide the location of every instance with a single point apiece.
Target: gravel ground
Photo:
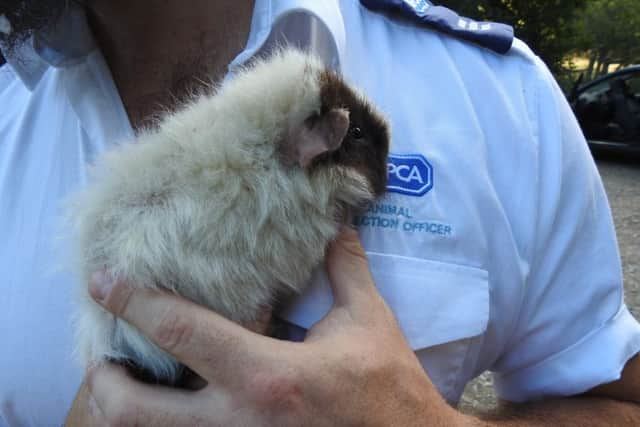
(621, 176)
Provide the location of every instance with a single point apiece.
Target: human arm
(82, 412)
(355, 368)
(350, 363)
(616, 403)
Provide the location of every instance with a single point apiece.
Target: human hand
(354, 367)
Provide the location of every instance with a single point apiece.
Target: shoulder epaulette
(492, 35)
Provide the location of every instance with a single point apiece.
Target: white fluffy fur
(203, 207)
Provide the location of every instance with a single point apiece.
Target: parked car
(608, 109)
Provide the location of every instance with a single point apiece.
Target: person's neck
(160, 50)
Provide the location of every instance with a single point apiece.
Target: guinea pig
(229, 202)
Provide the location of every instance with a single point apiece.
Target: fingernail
(100, 285)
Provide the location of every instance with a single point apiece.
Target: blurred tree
(608, 32)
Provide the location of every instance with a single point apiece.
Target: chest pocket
(440, 307)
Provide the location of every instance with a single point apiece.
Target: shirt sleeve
(574, 331)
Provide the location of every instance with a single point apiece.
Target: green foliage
(547, 26)
(605, 32)
(608, 32)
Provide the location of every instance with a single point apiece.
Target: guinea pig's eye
(312, 120)
(355, 132)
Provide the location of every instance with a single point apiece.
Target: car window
(593, 111)
(633, 82)
(610, 110)
(594, 92)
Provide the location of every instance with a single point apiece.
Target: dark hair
(27, 16)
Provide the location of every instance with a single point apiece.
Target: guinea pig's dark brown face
(366, 144)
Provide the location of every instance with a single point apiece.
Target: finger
(83, 412)
(214, 347)
(261, 324)
(97, 417)
(121, 400)
(348, 271)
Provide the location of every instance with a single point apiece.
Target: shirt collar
(309, 24)
(65, 43)
(312, 25)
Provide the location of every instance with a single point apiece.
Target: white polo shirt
(494, 245)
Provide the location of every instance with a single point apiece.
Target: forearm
(79, 415)
(578, 411)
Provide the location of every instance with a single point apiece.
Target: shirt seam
(533, 108)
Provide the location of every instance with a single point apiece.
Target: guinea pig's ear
(320, 134)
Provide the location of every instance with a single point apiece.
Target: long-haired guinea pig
(230, 202)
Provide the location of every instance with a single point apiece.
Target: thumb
(348, 270)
